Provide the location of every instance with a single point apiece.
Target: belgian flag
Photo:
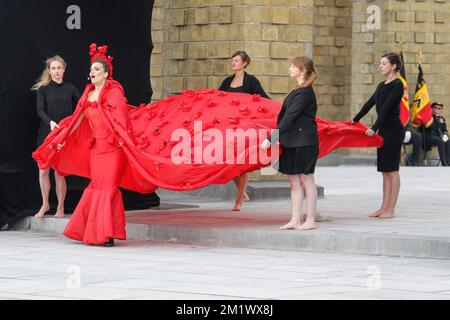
(422, 114)
(404, 104)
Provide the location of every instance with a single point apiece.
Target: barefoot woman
(297, 133)
(387, 99)
(243, 82)
(55, 100)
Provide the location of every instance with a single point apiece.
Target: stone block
(280, 15)
(219, 50)
(177, 17)
(201, 16)
(262, 14)
(222, 32)
(195, 83)
(269, 32)
(287, 32)
(197, 50)
(279, 85)
(177, 51)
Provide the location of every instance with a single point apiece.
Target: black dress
(297, 133)
(387, 98)
(250, 85)
(54, 102)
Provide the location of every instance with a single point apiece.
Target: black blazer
(250, 85)
(296, 121)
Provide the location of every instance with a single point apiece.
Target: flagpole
(420, 58)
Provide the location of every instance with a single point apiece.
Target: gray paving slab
(161, 270)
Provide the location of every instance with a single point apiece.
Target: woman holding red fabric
(387, 98)
(297, 133)
(242, 82)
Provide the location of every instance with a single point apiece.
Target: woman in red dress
(99, 217)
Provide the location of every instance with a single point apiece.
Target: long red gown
(100, 214)
(138, 150)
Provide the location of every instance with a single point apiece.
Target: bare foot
(59, 214)
(376, 213)
(317, 217)
(237, 205)
(42, 211)
(387, 214)
(308, 225)
(290, 225)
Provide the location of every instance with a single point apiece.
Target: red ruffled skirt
(100, 214)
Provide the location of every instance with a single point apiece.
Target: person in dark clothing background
(297, 133)
(437, 134)
(242, 82)
(55, 100)
(387, 99)
(414, 137)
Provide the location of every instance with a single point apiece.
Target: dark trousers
(443, 147)
(416, 141)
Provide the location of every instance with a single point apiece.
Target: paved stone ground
(39, 266)
(36, 266)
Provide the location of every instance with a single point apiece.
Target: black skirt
(388, 156)
(299, 160)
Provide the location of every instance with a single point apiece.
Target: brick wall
(194, 39)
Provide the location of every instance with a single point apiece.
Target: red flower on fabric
(235, 102)
(256, 97)
(262, 109)
(233, 120)
(244, 110)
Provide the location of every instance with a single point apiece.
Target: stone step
(244, 233)
(261, 190)
(273, 190)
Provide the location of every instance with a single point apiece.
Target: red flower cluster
(100, 52)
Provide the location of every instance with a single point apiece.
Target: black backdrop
(31, 31)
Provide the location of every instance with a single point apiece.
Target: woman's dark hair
(244, 56)
(103, 62)
(393, 59)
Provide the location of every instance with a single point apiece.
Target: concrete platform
(257, 190)
(420, 229)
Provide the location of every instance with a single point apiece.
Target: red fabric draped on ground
(200, 119)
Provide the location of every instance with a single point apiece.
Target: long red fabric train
(149, 135)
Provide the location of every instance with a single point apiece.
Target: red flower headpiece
(100, 52)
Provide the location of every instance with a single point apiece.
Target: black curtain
(30, 32)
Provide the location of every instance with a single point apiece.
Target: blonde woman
(56, 100)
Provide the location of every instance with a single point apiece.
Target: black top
(54, 102)
(250, 84)
(387, 98)
(438, 127)
(238, 89)
(296, 121)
